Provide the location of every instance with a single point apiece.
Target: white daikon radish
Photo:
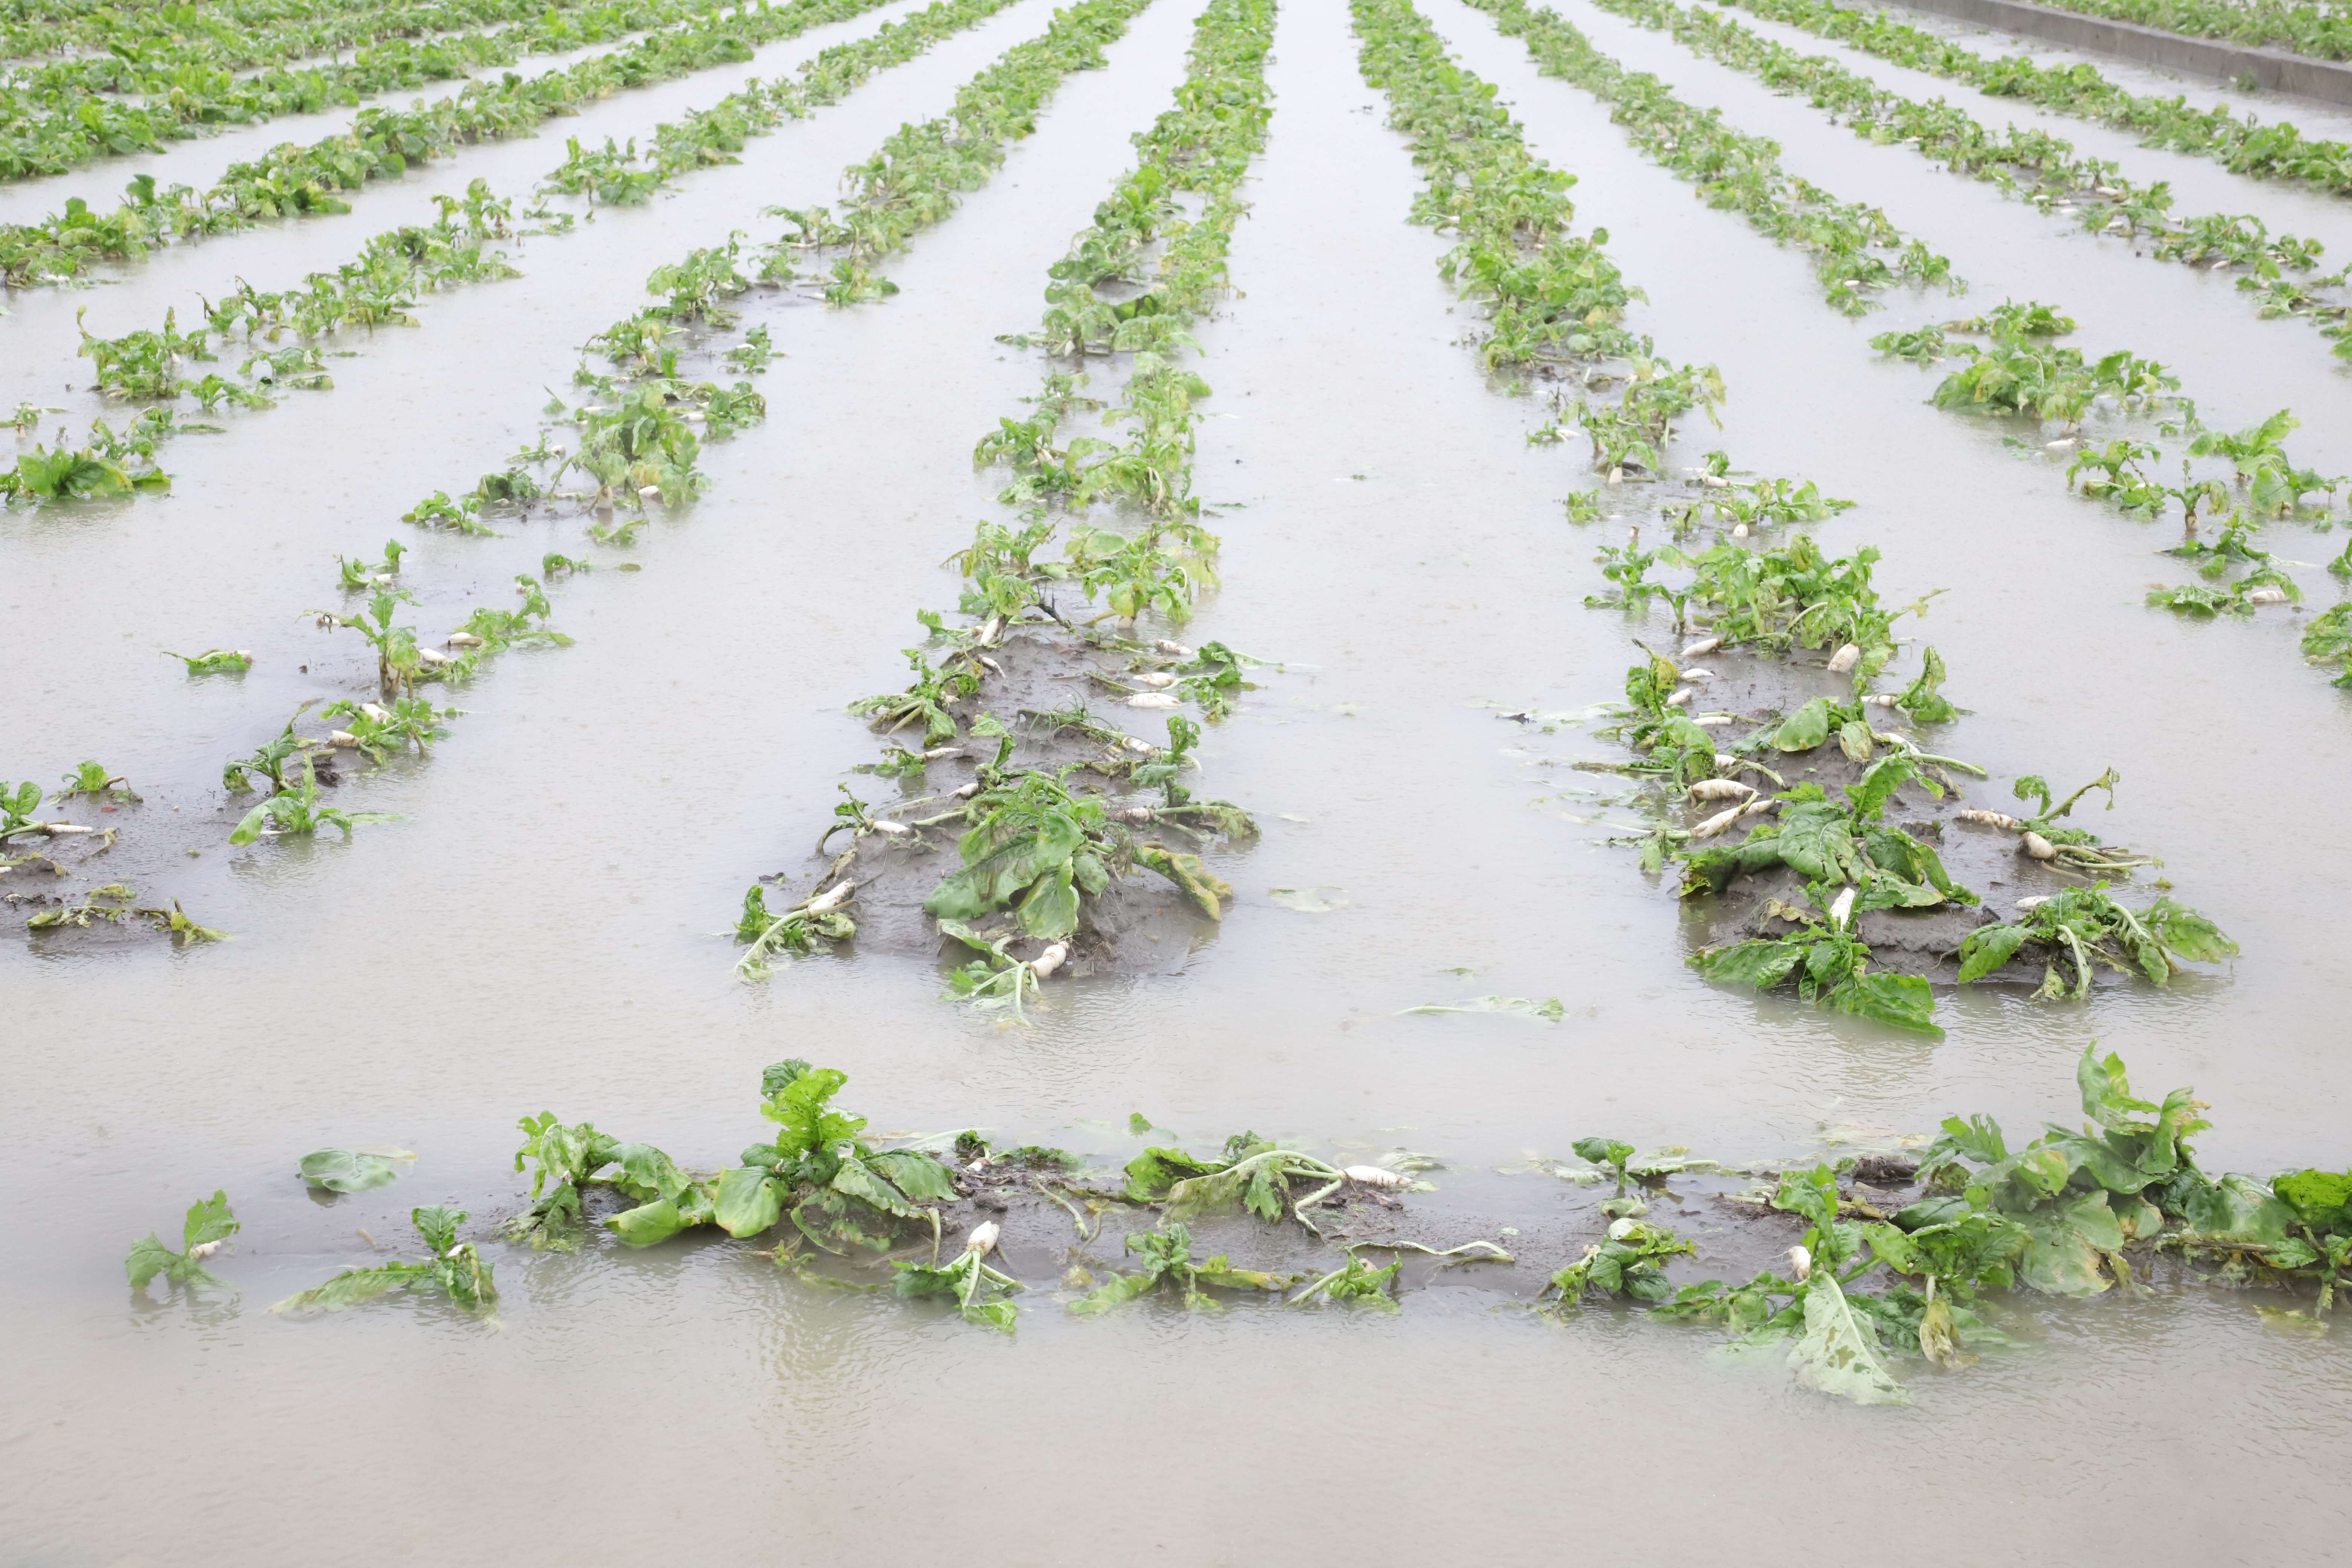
(1373, 1176)
(1715, 824)
(1704, 645)
(1173, 649)
(2267, 596)
(1681, 699)
(2039, 847)
(464, 639)
(1841, 908)
(1156, 679)
(1800, 1263)
(1051, 958)
(832, 898)
(1154, 699)
(894, 829)
(1984, 818)
(1845, 658)
(1721, 789)
(983, 1238)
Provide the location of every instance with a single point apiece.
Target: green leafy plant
(345, 1171)
(2083, 928)
(981, 1294)
(1167, 1258)
(298, 811)
(209, 1224)
(452, 1270)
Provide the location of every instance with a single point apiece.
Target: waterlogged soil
(546, 927)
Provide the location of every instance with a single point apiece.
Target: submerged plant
(452, 1270)
(208, 1225)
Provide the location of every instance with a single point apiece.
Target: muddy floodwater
(548, 924)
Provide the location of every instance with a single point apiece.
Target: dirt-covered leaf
(2067, 1245)
(1987, 948)
(920, 1176)
(1837, 1349)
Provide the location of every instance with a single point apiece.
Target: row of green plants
(1034, 851)
(1865, 1294)
(1856, 252)
(142, 97)
(2239, 143)
(1791, 602)
(381, 288)
(2019, 370)
(244, 33)
(2029, 163)
(2321, 30)
(382, 143)
(633, 439)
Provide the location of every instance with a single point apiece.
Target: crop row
(382, 144)
(382, 285)
(244, 33)
(54, 117)
(2031, 164)
(2318, 30)
(1793, 623)
(635, 435)
(1887, 1257)
(2244, 145)
(1042, 866)
(2018, 371)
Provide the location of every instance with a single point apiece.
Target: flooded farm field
(1029, 781)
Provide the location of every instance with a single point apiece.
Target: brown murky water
(538, 932)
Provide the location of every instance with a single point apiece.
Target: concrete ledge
(2275, 71)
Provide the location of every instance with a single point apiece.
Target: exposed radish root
(1681, 699)
(1845, 658)
(64, 829)
(965, 792)
(1882, 699)
(1698, 673)
(1984, 818)
(1800, 1263)
(1155, 699)
(1739, 531)
(1374, 1177)
(1155, 679)
(1140, 746)
(2267, 596)
(344, 739)
(1721, 789)
(430, 656)
(2034, 902)
(1173, 649)
(983, 1238)
(893, 829)
(938, 751)
(1046, 963)
(831, 899)
(1136, 814)
(203, 1249)
(375, 712)
(1842, 908)
(991, 664)
(1715, 824)
(1704, 645)
(1712, 720)
(990, 629)
(464, 639)
(1755, 806)
(2039, 847)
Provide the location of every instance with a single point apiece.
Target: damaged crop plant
(1865, 1268)
(1027, 817)
(1814, 887)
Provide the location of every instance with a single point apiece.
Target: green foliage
(2080, 929)
(1167, 1256)
(208, 1224)
(300, 812)
(452, 1270)
(342, 1171)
